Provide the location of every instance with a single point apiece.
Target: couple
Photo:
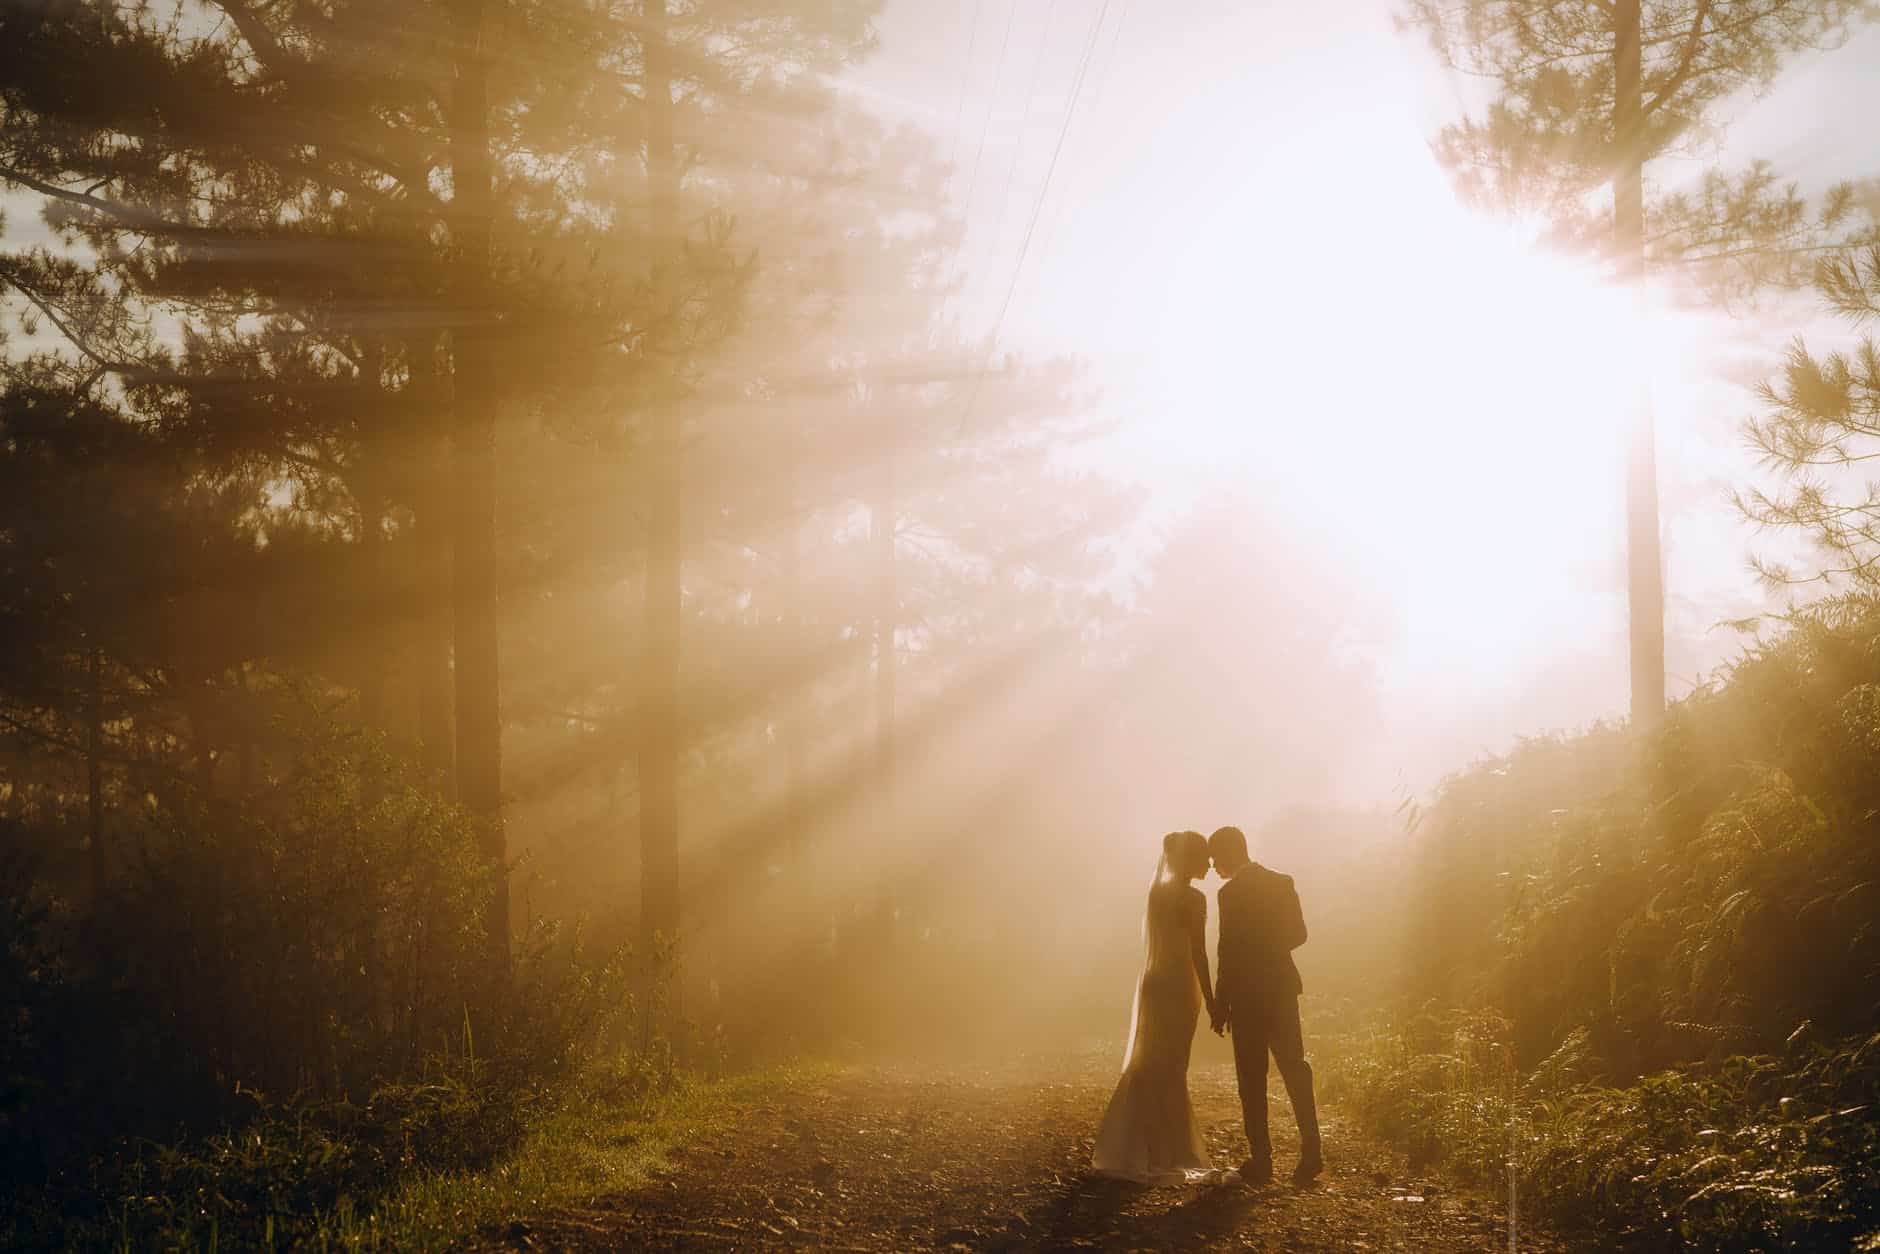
(1148, 1133)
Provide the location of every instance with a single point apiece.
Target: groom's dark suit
(1257, 990)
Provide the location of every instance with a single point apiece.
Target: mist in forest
(712, 533)
(681, 506)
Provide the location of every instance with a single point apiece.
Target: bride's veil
(1148, 960)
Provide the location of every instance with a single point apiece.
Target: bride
(1148, 1133)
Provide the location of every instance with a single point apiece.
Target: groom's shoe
(1256, 1173)
(1308, 1169)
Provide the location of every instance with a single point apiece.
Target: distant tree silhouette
(333, 387)
(322, 236)
(693, 63)
(479, 748)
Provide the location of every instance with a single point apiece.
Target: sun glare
(1483, 379)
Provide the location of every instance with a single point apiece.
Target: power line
(1109, 57)
(959, 107)
(1018, 139)
(992, 100)
(1091, 117)
(1057, 151)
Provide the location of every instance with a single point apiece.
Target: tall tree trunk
(1645, 591)
(374, 577)
(887, 615)
(378, 643)
(205, 752)
(881, 534)
(473, 465)
(431, 553)
(246, 763)
(796, 653)
(431, 581)
(94, 772)
(372, 666)
(659, 729)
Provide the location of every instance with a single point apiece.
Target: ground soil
(884, 1159)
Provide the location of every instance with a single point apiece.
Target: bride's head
(1186, 854)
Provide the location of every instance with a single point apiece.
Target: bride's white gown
(1148, 1133)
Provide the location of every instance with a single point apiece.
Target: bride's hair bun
(1185, 849)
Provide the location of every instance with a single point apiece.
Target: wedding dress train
(1148, 1133)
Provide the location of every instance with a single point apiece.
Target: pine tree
(697, 63)
(1821, 424)
(331, 241)
(1588, 95)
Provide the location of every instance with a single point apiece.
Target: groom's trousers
(1272, 1024)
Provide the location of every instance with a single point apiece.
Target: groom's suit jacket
(1261, 924)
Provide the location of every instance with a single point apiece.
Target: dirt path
(885, 1159)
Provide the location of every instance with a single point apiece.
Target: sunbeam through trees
(623, 623)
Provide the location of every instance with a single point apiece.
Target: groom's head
(1228, 848)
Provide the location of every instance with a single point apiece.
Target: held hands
(1218, 1018)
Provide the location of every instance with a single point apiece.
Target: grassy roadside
(1741, 1154)
(396, 1180)
(593, 1143)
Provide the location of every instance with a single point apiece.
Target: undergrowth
(1748, 1153)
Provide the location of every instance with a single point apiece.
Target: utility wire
(959, 106)
(1018, 139)
(992, 101)
(1079, 139)
(1057, 151)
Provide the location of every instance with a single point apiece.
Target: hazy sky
(1247, 239)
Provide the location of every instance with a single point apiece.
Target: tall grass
(1646, 973)
(1749, 1153)
(279, 1013)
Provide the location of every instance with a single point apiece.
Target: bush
(292, 1171)
(281, 1008)
(307, 941)
(1616, 939)
(1746, 1154)
(305, 1169)
(1679, 900)
(1753, 1153)
(1439, 1087)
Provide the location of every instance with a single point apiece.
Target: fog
(800, 499)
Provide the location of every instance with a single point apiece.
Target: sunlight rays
(1449, 391)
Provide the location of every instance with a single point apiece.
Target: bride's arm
(1198, 949)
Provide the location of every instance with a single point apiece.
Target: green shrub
(281, 1009)
(1751, 1153)
(1438, 1087)
(1754, 1153)
(302, 1170)
(1616, 939)
(1678, 900)
(307, 941)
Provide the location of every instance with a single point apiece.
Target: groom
(1257, 999)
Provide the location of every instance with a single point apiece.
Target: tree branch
(103, 363)
(116, 208)
(1692, 41)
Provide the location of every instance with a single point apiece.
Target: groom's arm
(1230, 932)
(1295, 917)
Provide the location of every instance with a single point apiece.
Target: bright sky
(1246, 237)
